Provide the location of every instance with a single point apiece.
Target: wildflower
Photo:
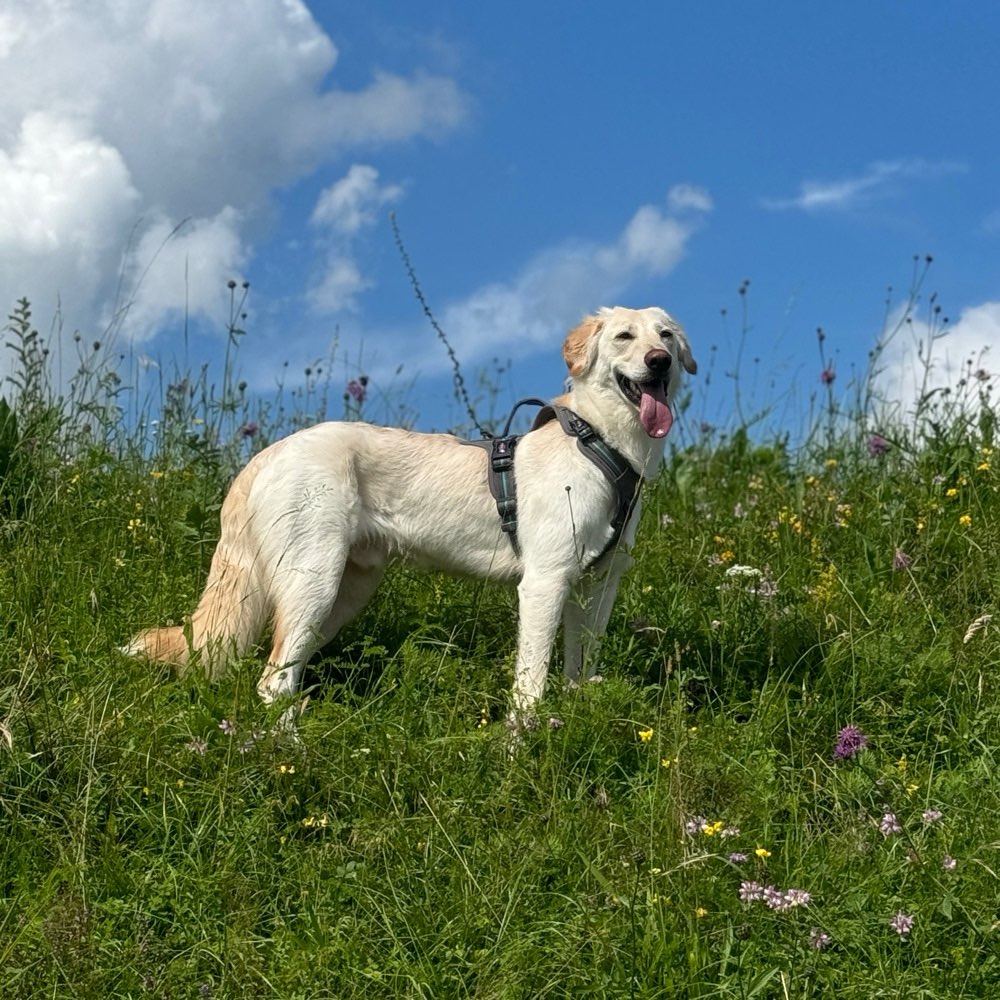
(750, 572)
(751, 891)
(358, 388)
(228, 726)
(730, 831)
(965, 520)
(901, 764)
(286, 769)
(902, 924)
(701, 912)
(249, 430)
(694, 825)
(666, 762)
(555, 723)
(889, 825)
(877, 446)
(774, 898)
(738, 858)
(711, 829)
(983, 467)
(830, 463)
(157, 474)
(931, 815)
(797, 897)
(951, 492)
(645, 735)
(948, 863)
(818, 940)
(762, 852)
(827, 375)
(666, 520)
(197, 746)
(850, 741)
(901, 560)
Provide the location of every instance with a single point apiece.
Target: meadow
(783, 783)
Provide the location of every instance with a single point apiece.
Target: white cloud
(343, 211)
(168, 110)
(916, 361)
(879, 179)
(562, 284)
(352, 203)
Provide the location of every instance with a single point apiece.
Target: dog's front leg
(586, 616)
(540, 604)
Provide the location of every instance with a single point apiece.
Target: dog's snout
(658, 362)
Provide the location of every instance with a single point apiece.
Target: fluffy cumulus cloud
(343, 212)
(918, 361)
(558, 286)
(124, 123)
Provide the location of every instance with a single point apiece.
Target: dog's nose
(658, 362)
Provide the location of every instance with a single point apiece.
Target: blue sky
(542, 160)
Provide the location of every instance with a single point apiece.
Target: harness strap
(614, 466)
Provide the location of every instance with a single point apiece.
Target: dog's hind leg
(586, 616)
(333, 603)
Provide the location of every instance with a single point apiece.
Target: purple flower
(357, 388)
(729, 831)
(228, 726)
(827, 375)
(877, 446)
(850, 741)
(197, 746)
(889, 825)
(931, 815)
(737, 857)
(901, 560)
(555, 723)
(695, 825)
(818, 940)
(249, 430)
(774, 898)
(797, 897)
(751, 891)
(948, 863)
(902, 924)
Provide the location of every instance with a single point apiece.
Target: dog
(311, 523)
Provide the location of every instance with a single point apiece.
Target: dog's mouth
(651, 399)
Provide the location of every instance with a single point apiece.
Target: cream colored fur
(310, 524)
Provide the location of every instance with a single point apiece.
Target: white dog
(310, 524)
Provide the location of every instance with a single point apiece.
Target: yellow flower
(286, 769)
(666, 762)
(711, 829)
(951, 492)
(727, 556)
(701, 912)
(965, 520)
(157, 474)
(910, 789)
(762, 852)
(830, 463)
(983, 467)
(645, 735)
(901, 764)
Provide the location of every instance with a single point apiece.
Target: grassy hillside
(785, 785)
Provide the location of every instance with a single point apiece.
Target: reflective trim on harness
(615, 467)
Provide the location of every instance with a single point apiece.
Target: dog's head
(637, 353)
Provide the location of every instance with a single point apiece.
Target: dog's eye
(667, 334)
(625, 335)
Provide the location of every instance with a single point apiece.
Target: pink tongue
(654, 410)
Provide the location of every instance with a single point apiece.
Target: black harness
(615, 467)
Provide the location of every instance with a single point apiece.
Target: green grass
(398, 851)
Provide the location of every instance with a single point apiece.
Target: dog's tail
(231, 614)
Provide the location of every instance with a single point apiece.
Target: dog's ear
(687, 358)
(580, 346)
